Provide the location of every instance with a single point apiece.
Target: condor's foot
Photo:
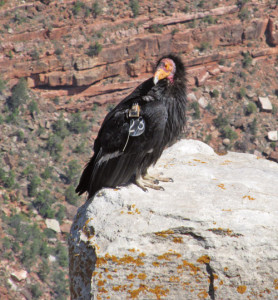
(144, 184)
(157, 178)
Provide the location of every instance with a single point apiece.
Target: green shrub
(251, 108)
(242, 93)
(244, 14)
(77, 124)
(60, 285)
(156, 28)
(32, 187)
(203, 46)
(253, 126)
(61, 253)
(43, 203)
(215, 93)
(97, 10)
(35, 291)
(47, 173)
(72, 171)
(77, 7)
(134, 5)
(61, 213)
(9, 180)
(60, 127)
(71, 196)
(19, 95)
(221, 121)
(228, 133)
(94, 49)
(44, 269)
(247, 59)
(54, 146)
(2, 85)
(195, 106)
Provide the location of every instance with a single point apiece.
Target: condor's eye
(167, 66)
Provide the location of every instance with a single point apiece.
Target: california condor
(134, 134)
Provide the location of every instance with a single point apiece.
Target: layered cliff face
(91, 54)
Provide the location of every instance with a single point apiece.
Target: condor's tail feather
(84, 183)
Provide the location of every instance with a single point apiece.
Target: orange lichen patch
(205, 259)
(127, 259)
(134, 293)
(131, 260)
(109, 277)
(248, 197)
(191, 266)
(142, 276)
(142, 254)
(103, 290)
(87, 221)
(215, 276)
(222, 231)
(164, 233)
(94, 273)
(156, 264)
(130, 276)
(221, 185)
(174, 279)
(101, 282)
(226, 209)
(275, 282)
(202, 295)
(167, 255)
(241, 289)
(100, 261)
(99, 275)
(116, 288)
(131, 250)
(198, 160)
(178, 240)
(221, 282)
(179, 269)
(158, 291)
(137, 211)
(122, 211)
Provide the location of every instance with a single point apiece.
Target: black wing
(119, 156)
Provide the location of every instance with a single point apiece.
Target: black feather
(119, 157)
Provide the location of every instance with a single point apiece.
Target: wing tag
(137, 126)
(134, 112)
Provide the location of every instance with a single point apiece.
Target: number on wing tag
(136, 126)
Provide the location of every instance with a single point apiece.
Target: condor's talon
(157, 178)
(144, 183)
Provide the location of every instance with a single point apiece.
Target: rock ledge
(213, 232)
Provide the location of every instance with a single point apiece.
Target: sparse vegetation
(251, 108)
(134, 5)
(221, 121)
(195, 106)
(247, 59)
(19, 95)
(94, 49)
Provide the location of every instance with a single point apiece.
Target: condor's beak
(160, 74)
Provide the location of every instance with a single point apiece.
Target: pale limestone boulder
(53, 224)
(265, 104)
(212, 234)
(273, 135)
